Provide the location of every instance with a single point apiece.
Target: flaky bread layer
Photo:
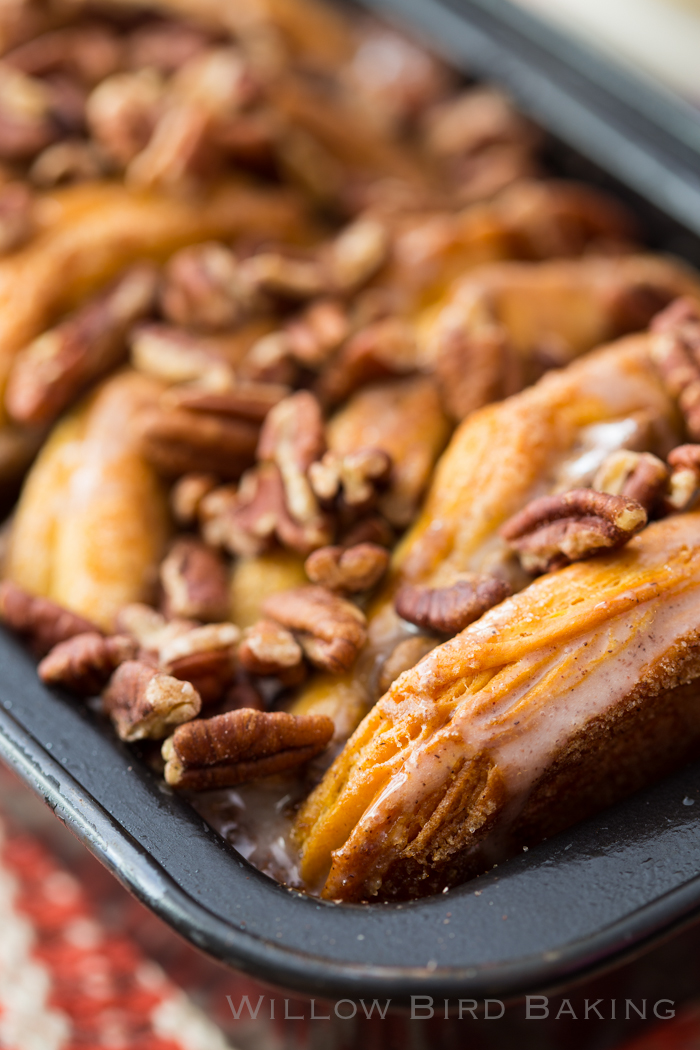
(484, 742)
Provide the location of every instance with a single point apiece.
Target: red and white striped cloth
(67, 982)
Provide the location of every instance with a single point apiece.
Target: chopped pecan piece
(42, 622)
(350, 569)
(312, 336)
(636, 475)
(684, 483)
(149, 627)
(448, 610)
(49, 373)
(553, 531)
(203, 289)
(270, 649)
(144, 704)
(675, 348)
(404, 656)
(194, 578)
(356, 254)
(187, 495)
(204, 656)
(69, 161)
(84, 663)
(179, 441)
(244, 400)
(26, 120)
(122, 112)
(16, 216)
(176, 356)
(384, 348)
(355, 475)
(330, 630)
(242, 745)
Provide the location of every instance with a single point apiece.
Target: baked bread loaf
(559, 701)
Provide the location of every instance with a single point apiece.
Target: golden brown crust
(607, 642)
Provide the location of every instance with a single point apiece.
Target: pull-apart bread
(554, 703)
(557, 702)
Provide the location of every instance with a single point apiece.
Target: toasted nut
(203, 288)
(350, 569)
(69, 161)
(280, 275)
(57, 366)
(315, 334)
(553, 531)
(26, 124)
(374, 530)
(242, 694)
(684, 483)
(194, 578)
(164, 46)
(144, 704)
(404, 656)
(385, 348)
(90, 52)
(330, 630)
(179, 150)
(244, 400)
(204, 656)
(149, 627)
(448, 610)
(84, 663)
(636, 475)
(187, 495)
(269, 360)
(242, 745)
(675, 348)
(269, 649)
(355, 475)
(16, 216)
(469, 122)
(357, 253)
(177, 441)
(42, 622)
(176, 356)
(122, 112)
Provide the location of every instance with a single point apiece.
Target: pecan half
(684, 483)
(350, 569)
(384, 348)
(640, 476)
(448, 610)
(204, 656)
(675, 348)
(187, 495)
(180, 441)
(242, 745)
(330, 630)
(16, 216)
(69, 161)
(149, 627)
(48, 374)
(144, 704)
(283, 276)
(84, 663)
(355, 475)
(251, 401)
(40, 621)
(270, 649)
(202, 288)
(553, 531)
(194, 578)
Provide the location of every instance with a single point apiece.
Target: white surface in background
(660, 36)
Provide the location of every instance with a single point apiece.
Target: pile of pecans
(295, 384)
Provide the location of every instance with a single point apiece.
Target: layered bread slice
(564, 698)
